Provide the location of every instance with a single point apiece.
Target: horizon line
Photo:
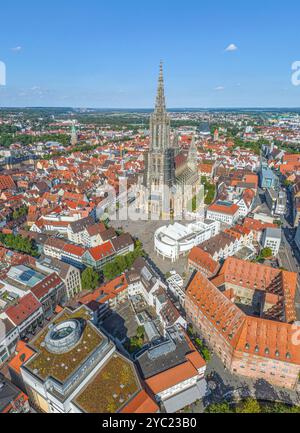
(151, 108)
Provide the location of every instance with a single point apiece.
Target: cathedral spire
(160, 98)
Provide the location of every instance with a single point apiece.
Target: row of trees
(203, 350)
(90, 279)
(255, 146)
(19, 243)
(199, 344)
(122, 263)
(7, 139)
(251, 405)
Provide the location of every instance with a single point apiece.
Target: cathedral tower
(160, 160)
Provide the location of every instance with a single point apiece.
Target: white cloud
(17, 49)
(231, 47)
(219, 88)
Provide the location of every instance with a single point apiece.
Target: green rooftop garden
(61, 366)
(111, 389)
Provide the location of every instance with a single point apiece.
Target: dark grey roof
(6, 326)
(123, 241)
(39, 238)
(216, 243)
(42, 186)
(108, 234)
(166, 354)
(56, 243)
(142, 271)
(8, 393)
(58, 266)
(80, 225)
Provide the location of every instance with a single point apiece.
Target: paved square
(144, 231)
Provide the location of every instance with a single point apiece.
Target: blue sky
(97, 53)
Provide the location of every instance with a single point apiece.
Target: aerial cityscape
(149, 257)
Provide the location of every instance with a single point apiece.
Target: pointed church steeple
(160, 105)
(160, 121)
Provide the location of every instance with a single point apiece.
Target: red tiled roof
(230, 210)
(203, 259)
(96, 229)
(45, 286)
(171, 377)
(206, 168)
(259, 277)
(23, 310)
(75, 250)
(6, 182)
(141, 403)
(23, 353)
(258, 336)
(257, 225)
(102, 251)
(106, 291)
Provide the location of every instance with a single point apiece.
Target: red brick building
(261, 345)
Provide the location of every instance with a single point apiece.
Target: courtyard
(121, 323)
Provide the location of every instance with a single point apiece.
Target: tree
(280, 408)
(19, 243)
(18, 213)
(219, 408)
(206, 354)
(203, 350)
(121, 263)
(89, 279)
(110, 271)
(140, 332)
(190, 331)
(266, 253)
(249, 406)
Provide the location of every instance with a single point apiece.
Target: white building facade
(177, 240)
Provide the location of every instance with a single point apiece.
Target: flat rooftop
(273, 233)
(61, 366)
(25, 276)
(166, 354)
(111, 389)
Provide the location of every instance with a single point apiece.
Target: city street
(289, 255)
(224, 386)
